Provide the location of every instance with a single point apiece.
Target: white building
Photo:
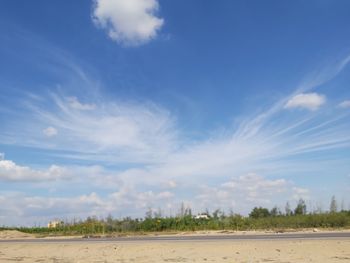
(54, 224)
(202, 216)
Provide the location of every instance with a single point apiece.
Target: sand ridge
(14, 234)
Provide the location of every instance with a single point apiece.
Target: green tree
(216, 214)
(288, 210)
(259, 212)
(149, 213)
(182, 210)
(301, 207)
(275, 211)
(333, 207)
(188, 211)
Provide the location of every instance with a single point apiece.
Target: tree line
(259, 218)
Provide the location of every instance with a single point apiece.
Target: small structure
(54, 224)
(202, 216)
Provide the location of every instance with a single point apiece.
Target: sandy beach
(222, 251)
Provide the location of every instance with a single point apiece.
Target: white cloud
(170, 184)
(117, 133)
(165, 195)
(76, 104)
(254, 188)
(301, 193)
(121, 132)
(244, 192)
(253, 182)
(10, 171)
(130, 22)
(50, 131)
(114, 130)
(18, 208)
(345, 104)
(310, 101)
(23, 209)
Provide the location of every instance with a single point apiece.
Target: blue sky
(115, 107)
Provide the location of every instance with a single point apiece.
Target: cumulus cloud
(50, 131)
(246, 191)
(19, 208)
(255, 183)
(131, 22)
(345, 104)
(37, 209)
(10, 171)
(310, 101)
(251, 188)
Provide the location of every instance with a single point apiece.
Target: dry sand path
(218, 251)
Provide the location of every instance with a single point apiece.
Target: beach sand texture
(223, 251)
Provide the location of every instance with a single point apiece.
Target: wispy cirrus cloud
(147, 149)
(344, 104)
(127, 132)
(146, 134)
(76, 104)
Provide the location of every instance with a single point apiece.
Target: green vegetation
(259, 212)
(259, 218)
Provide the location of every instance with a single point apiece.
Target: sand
(14, 234)
(200, 251)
